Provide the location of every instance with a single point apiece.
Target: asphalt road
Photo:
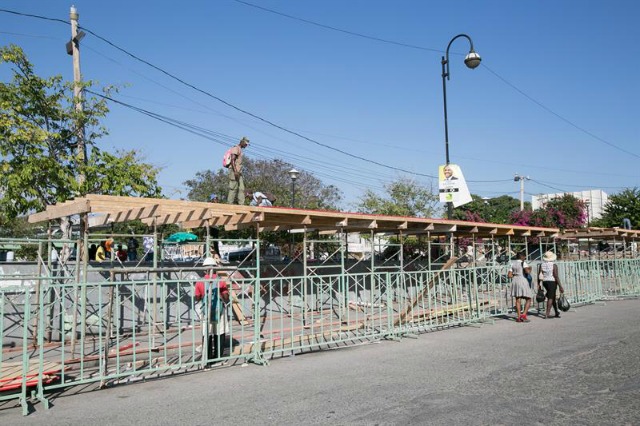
(581, 369)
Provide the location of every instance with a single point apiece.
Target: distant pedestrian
(550, 281)
(92, 251)
(520, 286)
(132, 249)
(121, 254)
(148, 243)
(236, 180)
(101, 252)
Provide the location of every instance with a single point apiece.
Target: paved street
(581, 369)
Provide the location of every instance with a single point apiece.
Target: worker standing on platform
(236, 181)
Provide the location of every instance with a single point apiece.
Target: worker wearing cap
(236, 181)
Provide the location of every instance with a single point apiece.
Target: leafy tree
(565, 212)
(18, 228)
(403, 197)
(492, 210)
(267, 176)
(626, 204)
(39, 135)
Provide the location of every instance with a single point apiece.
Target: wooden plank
(237, 310)
(403, 315)
(13, 370)
(292, 342)
(59, 211)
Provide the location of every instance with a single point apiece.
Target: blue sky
(555, 99)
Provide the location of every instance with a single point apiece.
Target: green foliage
(403, 197)
(18, 227)
(491, 210)
(40, 130)
(267, 176)
(565, 212)
(625, 204)
(124, 173)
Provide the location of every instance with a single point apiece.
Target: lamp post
(293, 174)
(485, 209)
(472, 60)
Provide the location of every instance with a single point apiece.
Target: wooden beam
(412, 304)
(68, 208)
(138, 213)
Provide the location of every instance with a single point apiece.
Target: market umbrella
(181, 237)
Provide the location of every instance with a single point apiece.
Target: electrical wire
(186, 128)
(225, 140)
(504, 80)
(352, 33)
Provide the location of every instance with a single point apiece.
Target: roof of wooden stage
(106, 209)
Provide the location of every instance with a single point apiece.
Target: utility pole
(73, 49)
(516, 178)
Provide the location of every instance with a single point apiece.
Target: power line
(317, 24)
(587, 186)
(229, 104)
(257, 117)
(549, 186)
(549, 110)
(226, 140)
(29, 15)
(28, 35)
(186, 126)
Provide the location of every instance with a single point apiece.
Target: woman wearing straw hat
(520, 286)
(548, 277)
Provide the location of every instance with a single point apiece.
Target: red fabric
(222, 286)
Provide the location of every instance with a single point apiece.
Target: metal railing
(122, 325)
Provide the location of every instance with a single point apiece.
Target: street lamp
(293, 173)
(472, 60)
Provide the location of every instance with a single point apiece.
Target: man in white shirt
(259, 199)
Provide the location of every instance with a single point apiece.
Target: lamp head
(293, 173)
(472, 60)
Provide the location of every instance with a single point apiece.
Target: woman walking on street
(549, 271)
(520, 286)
